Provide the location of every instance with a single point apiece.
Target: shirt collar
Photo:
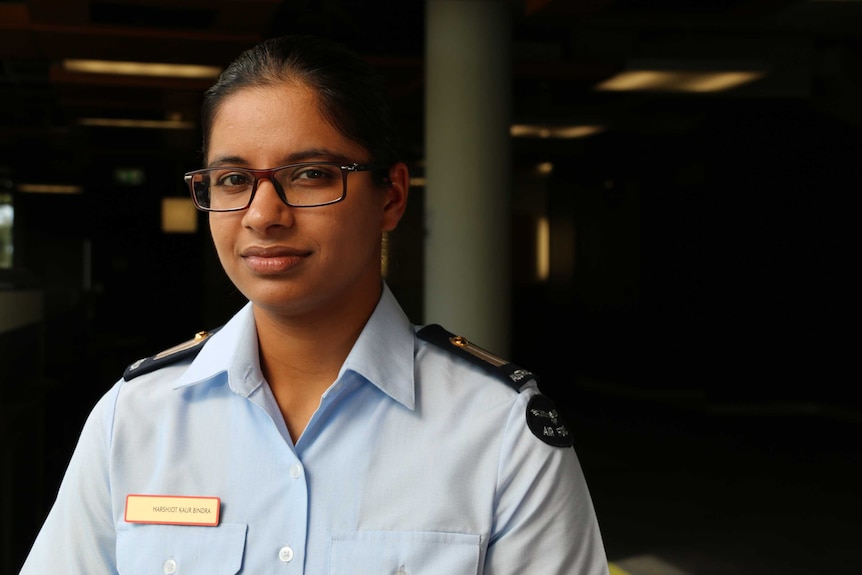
(233, 350)
(383, 353)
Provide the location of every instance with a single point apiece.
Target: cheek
(221, 235)
(347, 245)
(360, 231)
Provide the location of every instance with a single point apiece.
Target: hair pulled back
(350, 92)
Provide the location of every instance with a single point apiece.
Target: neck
(314, 342)
(300, 357)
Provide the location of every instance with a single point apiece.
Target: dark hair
(350, 91)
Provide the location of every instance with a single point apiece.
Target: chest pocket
(168, 549)
(404, 553)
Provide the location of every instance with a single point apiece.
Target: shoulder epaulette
(460, 346)
(173, 354)
(543, 418)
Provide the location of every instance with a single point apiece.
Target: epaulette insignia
(543, 418)
(168, 356)
(460, 346)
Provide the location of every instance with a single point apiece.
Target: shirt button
(295, 470)
(285, 554)
(402, 571)
(170, 567)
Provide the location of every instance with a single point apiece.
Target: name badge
(173, 510)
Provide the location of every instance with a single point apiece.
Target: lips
(272, 260)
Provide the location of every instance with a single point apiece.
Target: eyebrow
(309, 155)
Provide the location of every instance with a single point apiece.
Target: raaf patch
(547, 423)
(171, 355)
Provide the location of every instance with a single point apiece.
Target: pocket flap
(414, 552)
(160, 549)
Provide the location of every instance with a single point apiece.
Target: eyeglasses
(305, 185)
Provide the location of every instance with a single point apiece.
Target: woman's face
(294, 261)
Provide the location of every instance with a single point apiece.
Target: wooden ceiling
(563, 48)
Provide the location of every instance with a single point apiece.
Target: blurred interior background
(683, 175)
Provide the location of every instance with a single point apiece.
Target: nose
(267, 209)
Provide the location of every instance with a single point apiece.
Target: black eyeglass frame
(267, 174)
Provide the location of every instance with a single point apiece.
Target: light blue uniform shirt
(416, 462)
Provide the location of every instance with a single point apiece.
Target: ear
(395, 201)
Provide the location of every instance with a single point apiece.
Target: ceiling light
(545, 168)
(132, 123)
(141, 69)
(546, 131)
(50, 188)
(678, 80)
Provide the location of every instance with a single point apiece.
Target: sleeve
(78, 536)
(544, 516)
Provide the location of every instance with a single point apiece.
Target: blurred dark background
(696, 320)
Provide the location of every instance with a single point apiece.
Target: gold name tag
(172, 510)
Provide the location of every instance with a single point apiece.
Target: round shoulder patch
(547, 423)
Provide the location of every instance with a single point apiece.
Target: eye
(318, 173)
(311, 173)
(233, 179)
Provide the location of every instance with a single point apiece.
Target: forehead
(265, 122)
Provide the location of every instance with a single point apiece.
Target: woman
(317, 431)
